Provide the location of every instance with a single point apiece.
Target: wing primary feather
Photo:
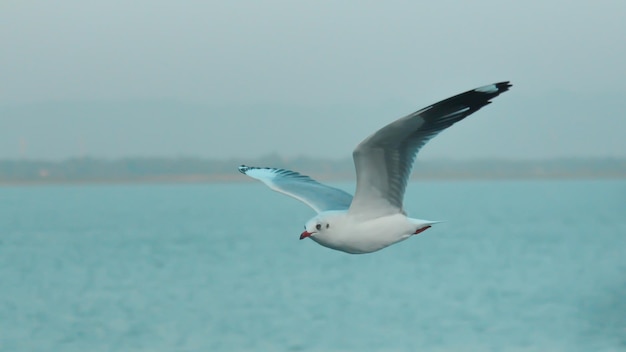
(384, 160)
(318, 196)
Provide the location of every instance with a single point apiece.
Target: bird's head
(315, 226)
(322, 224)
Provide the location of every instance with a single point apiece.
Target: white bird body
(355, 236)
(375, 217)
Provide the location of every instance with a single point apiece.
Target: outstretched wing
(384, 160)
(303, 188)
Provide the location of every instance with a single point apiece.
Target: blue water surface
(517, 266)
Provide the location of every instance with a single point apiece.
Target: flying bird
(375, 217)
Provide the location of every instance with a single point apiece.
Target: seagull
(375, 217)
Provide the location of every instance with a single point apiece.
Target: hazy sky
(248, 78)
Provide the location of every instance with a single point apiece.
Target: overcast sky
(249, 78)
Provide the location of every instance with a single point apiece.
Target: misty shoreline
(186, 170)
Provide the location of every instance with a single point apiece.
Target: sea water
(516, 266)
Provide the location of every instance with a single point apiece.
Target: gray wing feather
(384, 160)
(303, 188)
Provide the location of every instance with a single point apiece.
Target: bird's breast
(358, 236)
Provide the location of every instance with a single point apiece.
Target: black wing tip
(243, 169)
(278, 171)
(494, 89)
(503, 86)
(481, 96)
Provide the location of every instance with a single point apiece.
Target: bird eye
(327, 225)
(318, 226)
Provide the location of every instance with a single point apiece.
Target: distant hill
(137, 170)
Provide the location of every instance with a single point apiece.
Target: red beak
(305, 234)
